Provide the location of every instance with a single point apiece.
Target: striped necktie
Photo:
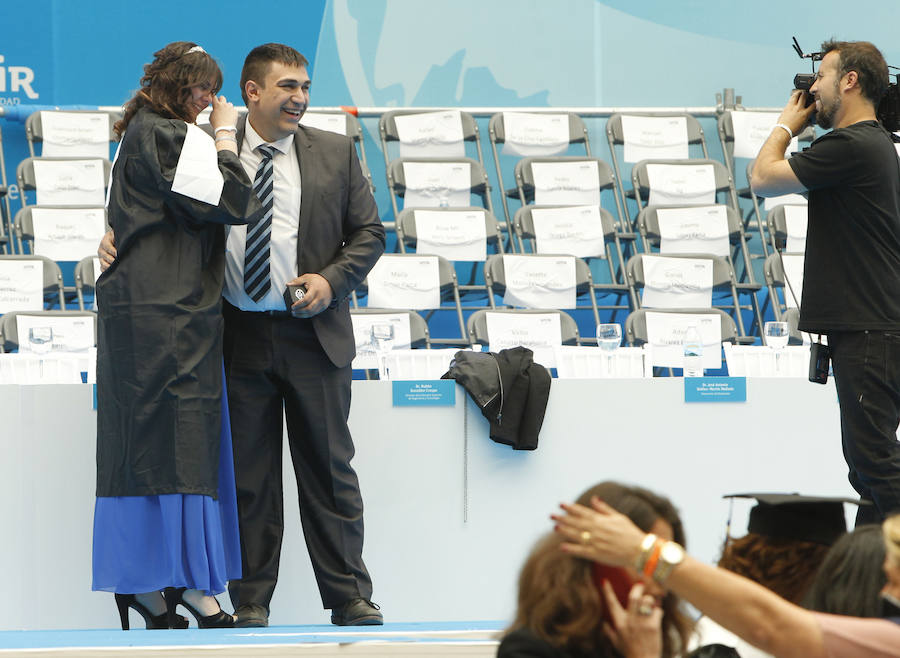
(256, 252)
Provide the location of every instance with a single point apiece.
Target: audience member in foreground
(600, 533)
(569, 607)
(788, 537)
(852, 576)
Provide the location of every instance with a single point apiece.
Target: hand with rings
(636, 631)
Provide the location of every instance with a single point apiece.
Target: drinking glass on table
(609, 337)
(40, 339)
(777, 334)
(383, 341)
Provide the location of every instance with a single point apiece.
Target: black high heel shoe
(154, 622)
(175, 596)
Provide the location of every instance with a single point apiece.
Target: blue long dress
(146, 543)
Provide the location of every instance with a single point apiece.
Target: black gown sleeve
(160, 148)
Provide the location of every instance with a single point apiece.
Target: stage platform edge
(412, 639)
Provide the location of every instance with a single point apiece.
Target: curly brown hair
(785, 566)
(166, 84)
(558, 600)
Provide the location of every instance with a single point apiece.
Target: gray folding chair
(449, 294)
(578, 137)
(615, 137)
(5, 228)
(51, 277)
(792, 317)
(351, 128)
(610, 286)
(725, 127)
(636, 327)
(776, 221)
(478, 332)
(28, 183)
(648, 227)
(478, 180)
(34, 125)
(495, 281)
(9, 333)
(776, 281)
(472, 289)
(725, 294)
(390, 136)
(24, 222)
(606, 186)
(418, 328)
(85, 276)
(6, 234)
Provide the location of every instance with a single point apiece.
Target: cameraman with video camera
(851, 281)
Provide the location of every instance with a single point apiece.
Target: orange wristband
(650, 566)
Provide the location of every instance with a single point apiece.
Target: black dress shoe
(251, 615)
(357, 612)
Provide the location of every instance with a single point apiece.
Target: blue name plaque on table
(715, 389)
(424, 393)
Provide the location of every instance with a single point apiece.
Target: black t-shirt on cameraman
(851, 278)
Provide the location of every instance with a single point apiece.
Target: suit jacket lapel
(305, 156)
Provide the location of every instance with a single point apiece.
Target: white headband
(195, 49)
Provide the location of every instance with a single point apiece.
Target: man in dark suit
(324, 234)
(321, 232)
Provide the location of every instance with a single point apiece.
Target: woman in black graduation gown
(165, 518)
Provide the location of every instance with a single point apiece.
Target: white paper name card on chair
(539, 332)
(21, 285)
(679, 185)
(453, 234)
(539, 282)
(752, 129)
(677, 282)
(433, 184)
(75, 134)
(793, 274)
(366, 354)
(431, 134)
(654, 138)
(535, 134)
(665, 333)
(409, 283)
(566, 183)
(575, 230)
(334, 123)
(796, 219)
(700, 230)
(69, 182)
(67, 233)
(785, 200)
(65, 334)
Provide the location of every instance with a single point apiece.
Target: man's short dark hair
(256, 66)
(868, 62)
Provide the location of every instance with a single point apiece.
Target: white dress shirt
(285, 225)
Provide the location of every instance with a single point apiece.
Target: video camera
(888, 112)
